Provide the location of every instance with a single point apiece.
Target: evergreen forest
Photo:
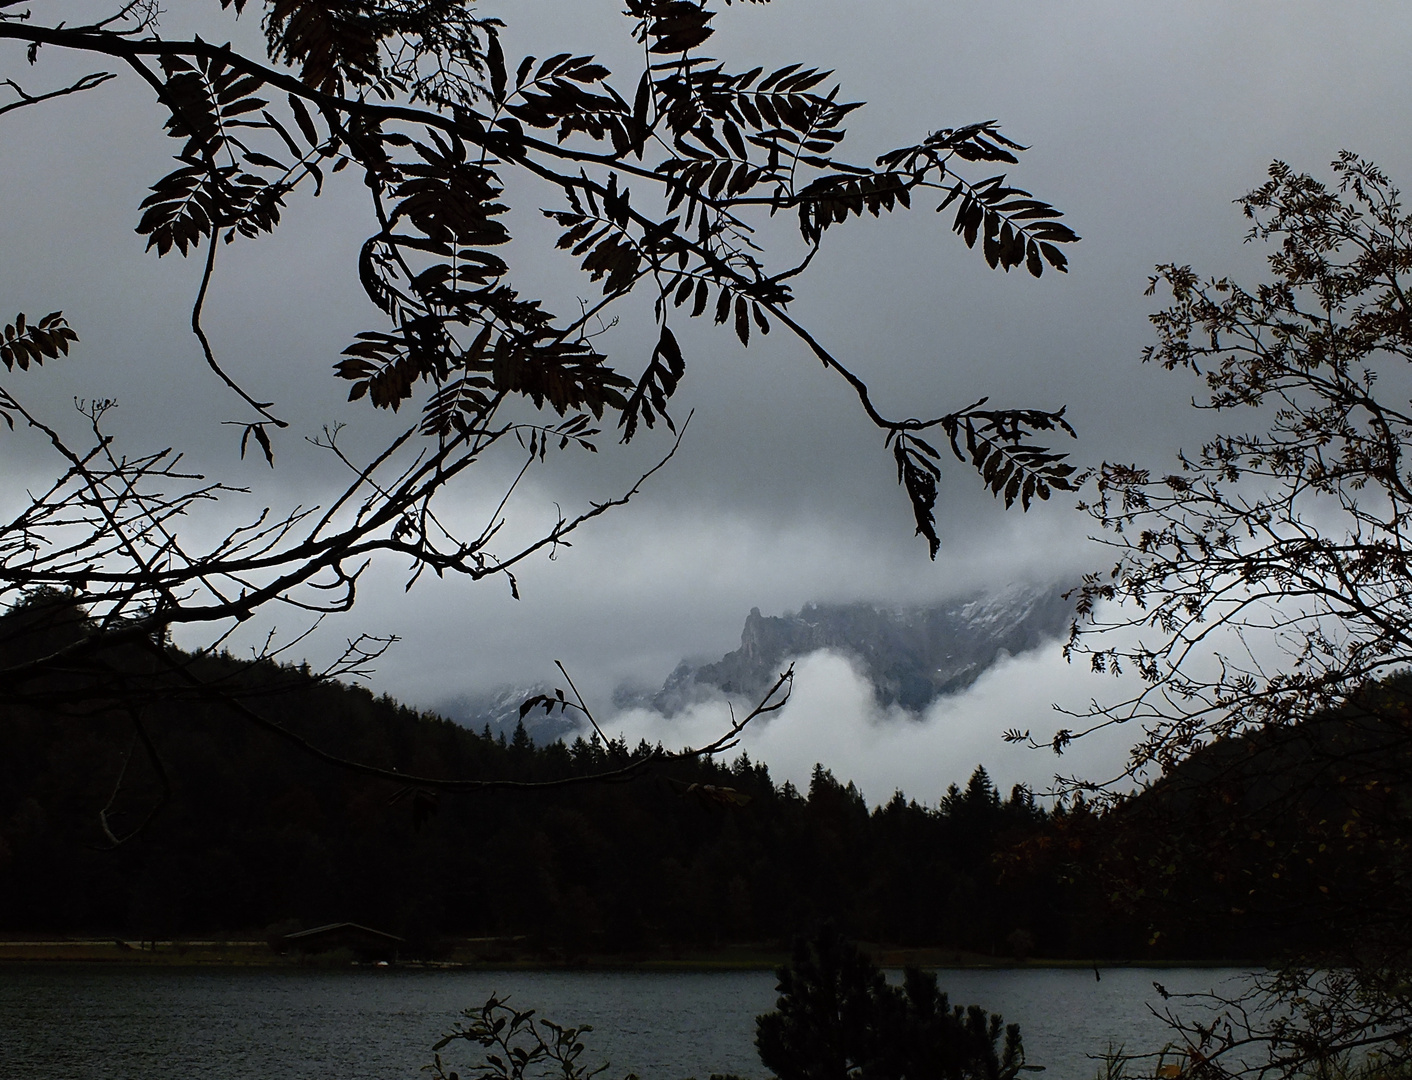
(189, 822)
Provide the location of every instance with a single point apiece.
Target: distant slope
(499, 710)
(236, 830)
(912, 655)
(1299, 832)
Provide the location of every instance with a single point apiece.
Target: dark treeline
(250, 833)
(257, 833)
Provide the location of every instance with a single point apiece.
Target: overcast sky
(1145, 120)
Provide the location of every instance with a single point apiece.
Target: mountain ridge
(912, 654)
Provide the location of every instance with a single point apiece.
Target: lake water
(379, 1024)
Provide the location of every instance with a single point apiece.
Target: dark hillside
(1258, 845)
(257, 833)
(1296, 838)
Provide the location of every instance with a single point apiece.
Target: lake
(379, 1024)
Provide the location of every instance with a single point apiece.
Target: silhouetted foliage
(516, 1045)
(1291, 536)
(1261, 595)
(655, 183)
(838, 1018)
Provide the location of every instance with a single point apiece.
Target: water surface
(379, 1024)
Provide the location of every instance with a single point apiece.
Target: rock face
(912, 655)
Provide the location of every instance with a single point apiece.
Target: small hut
(365, 943)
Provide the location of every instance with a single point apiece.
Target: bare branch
(87, 82)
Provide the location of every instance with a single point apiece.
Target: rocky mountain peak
(912, 654)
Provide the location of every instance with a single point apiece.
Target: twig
(88, 82)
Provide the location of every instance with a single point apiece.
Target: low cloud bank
(833, 719)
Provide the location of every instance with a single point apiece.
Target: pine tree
(838, 1018)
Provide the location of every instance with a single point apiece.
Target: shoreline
(466, 956)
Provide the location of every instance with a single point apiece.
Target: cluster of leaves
(214, 186)
(23, 343)
(516, 1045)
(432, 52)
(1014, 226)
(713, 143)
(995, 444)
(733, 133)
(657, 384)
(1230, 539)
(555, 96)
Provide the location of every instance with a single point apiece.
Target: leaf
(782, 73)
(655, 388)
(258, 430)
(256, 158)
(529, 704)
(303, 119)
(495, 60)
(1032, 259)
(1054, 257)
(723, 305)
(641, 102)
(551, 65)
(760, 319)
(283, 133)
(737, 144)
(683, 292)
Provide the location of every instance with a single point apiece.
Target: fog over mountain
(909, 655)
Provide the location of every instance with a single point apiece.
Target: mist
(832, 719)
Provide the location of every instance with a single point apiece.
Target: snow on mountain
(499, 710)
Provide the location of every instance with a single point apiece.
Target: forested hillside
(256, 832)
(247, 832)
(1295, 836)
